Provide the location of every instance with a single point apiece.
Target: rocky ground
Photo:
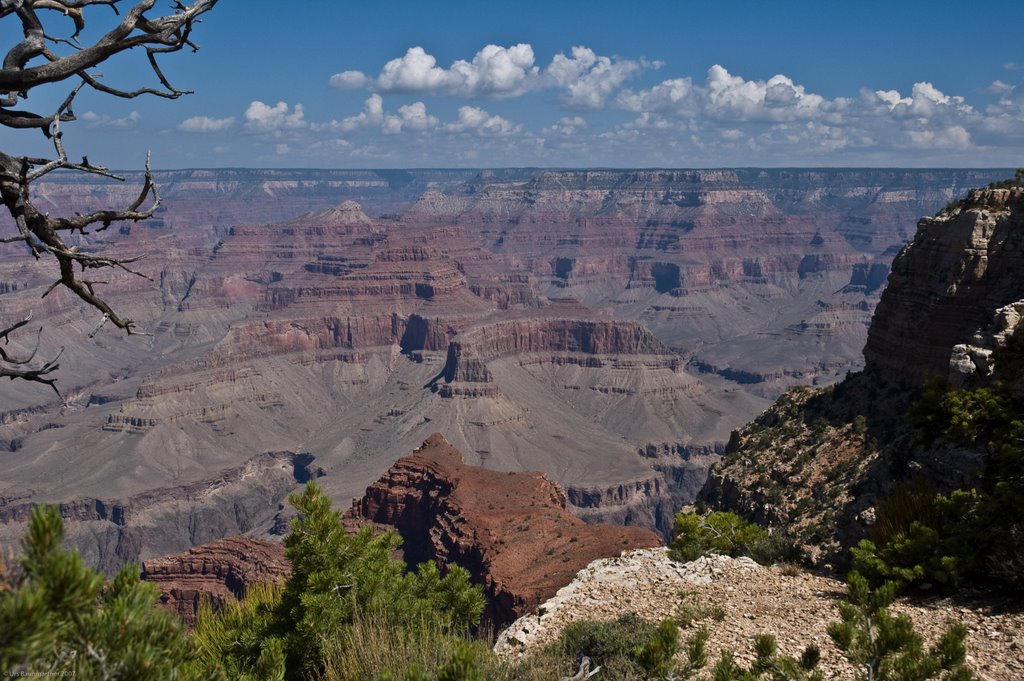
(792, 604)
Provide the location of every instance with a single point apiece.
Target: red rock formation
(511, 530)
(217, 571)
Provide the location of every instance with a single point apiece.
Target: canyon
(822, 462)
(607, 328)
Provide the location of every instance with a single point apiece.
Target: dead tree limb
(40, 59)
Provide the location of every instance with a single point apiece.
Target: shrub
(886, 648)
(768, 664)
(726, 533)
(337, 579)
(630, 647)
(58, 619)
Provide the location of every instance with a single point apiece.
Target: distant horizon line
(554, 168)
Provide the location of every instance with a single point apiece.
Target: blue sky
(566, 83)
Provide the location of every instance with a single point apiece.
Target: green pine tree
(59, 618)
(884, 647)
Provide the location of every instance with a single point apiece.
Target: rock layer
(947, 284)
(214, 572)
(510, 530)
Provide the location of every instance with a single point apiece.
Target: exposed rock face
(217, 572)
(817, 461)
(696, 296)
(947, 284)
(510, 530)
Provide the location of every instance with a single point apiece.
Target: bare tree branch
(33, 62)
(19, 72)
(11, 365)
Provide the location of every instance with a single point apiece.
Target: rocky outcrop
(560, 332)
(510, 530)
(736, 600)
(215, 572)
(947, 284)
(818, 461)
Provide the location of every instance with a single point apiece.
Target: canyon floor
(608, 328)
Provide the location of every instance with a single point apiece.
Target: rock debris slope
(795, 606)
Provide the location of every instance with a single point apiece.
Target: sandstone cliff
(963, 265)
(510, 530)
(818, 460)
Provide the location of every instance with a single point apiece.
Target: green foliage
(940, 549)
(956, 415)
(336, 580)
(884, 647)
(768, 664)
(971, 534)
(58, 619)
(235, 642)
(726, 533)
(656, 655)
(631, 648)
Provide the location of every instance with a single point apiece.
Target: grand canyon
(608, 328)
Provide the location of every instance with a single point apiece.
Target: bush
(768, 664)
(630, 647)
(886, 648)
(726, 533)
(337, 581)
(58, 619)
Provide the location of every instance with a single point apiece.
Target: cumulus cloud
(586, 79)
(495, 71)
(205, 124)
(674, 95)
(349, 80)
(779, 118)
(410, 117)
(472, 119)
(372, 114)
(998, 87)
(952, 137)
(260, 117)
(95, 120)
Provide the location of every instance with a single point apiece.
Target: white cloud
(588, 80)
(281, 149)
(349, 80)
(205, 124)
(95, 120)
(372, 114)
(893, 99)
(954, 137)
(998, 87)
(410, 117)
(260, 117)
(472, 119)
(496, 72)
(674, 95)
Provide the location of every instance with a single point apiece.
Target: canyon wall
(610, 328)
